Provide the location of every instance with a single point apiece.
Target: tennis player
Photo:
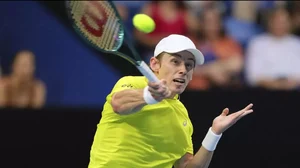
(144, 124)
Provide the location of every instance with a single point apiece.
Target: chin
(178, 90)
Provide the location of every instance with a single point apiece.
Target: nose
(183, 69)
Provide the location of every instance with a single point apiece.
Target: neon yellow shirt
(154, 137)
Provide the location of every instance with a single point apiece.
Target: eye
(175, 61)
(189, 66)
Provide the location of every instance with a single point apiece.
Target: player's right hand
(159, 90)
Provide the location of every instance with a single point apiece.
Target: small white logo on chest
(184, 123)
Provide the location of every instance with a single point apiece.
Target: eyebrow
(178, 55)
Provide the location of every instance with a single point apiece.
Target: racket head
(98, 23)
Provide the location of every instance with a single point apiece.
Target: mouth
(179, 80)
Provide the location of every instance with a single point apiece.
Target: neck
(279, 34)
(172, 96)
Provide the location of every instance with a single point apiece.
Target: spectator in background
(273, 58)
(123, 11)
(0, 71)
(193, 12)
(240, 24)
(21, 89)
(294, 7)
(196, 7)
(127, 9)
(223, 55)
(170, 18)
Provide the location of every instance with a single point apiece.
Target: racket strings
(108, 30)
(110, 38)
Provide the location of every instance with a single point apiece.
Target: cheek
(166, 69)
(190, 75)
(164, 72)
(167, 73)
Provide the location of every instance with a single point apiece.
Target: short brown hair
(160, 56)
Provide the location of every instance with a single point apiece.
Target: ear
(154, 64)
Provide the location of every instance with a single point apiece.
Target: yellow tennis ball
(143, 23)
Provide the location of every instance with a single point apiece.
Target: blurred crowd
(245, 43)
(20, 88)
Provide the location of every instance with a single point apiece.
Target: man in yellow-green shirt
(144, 124)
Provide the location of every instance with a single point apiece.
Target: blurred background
(53, 86)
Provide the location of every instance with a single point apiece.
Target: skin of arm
(202, 159)
(39, 95)
(128, 101)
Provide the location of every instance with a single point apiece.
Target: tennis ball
(143, 23)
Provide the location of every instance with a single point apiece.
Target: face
(177, 69)
(280, 23)
(23, 66)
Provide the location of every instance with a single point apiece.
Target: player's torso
(144, 139)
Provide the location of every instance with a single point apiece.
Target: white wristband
(148, 97)
(211, 140)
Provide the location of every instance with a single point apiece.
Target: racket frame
(138, 62)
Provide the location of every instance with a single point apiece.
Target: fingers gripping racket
(100, 25)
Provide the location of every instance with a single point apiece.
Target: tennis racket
(100, 25)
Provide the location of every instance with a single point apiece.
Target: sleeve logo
(127, 85)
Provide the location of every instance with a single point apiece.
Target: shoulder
(294, 38)
(129, 82)
(39, 84)
(132, 80)
(262, 38)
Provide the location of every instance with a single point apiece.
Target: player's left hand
(225, 121)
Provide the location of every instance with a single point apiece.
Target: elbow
(116, 105)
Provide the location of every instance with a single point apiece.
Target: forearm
(2, 97)
(201, 159)
(128, 101)
(39, 97)
(221, 123)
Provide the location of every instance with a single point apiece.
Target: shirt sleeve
(190, 148)
(127, 82)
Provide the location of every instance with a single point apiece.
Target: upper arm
(184, 160)
(124, 83)
(189, 155)
(39, 95)
(126, 95)
(2, 94)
